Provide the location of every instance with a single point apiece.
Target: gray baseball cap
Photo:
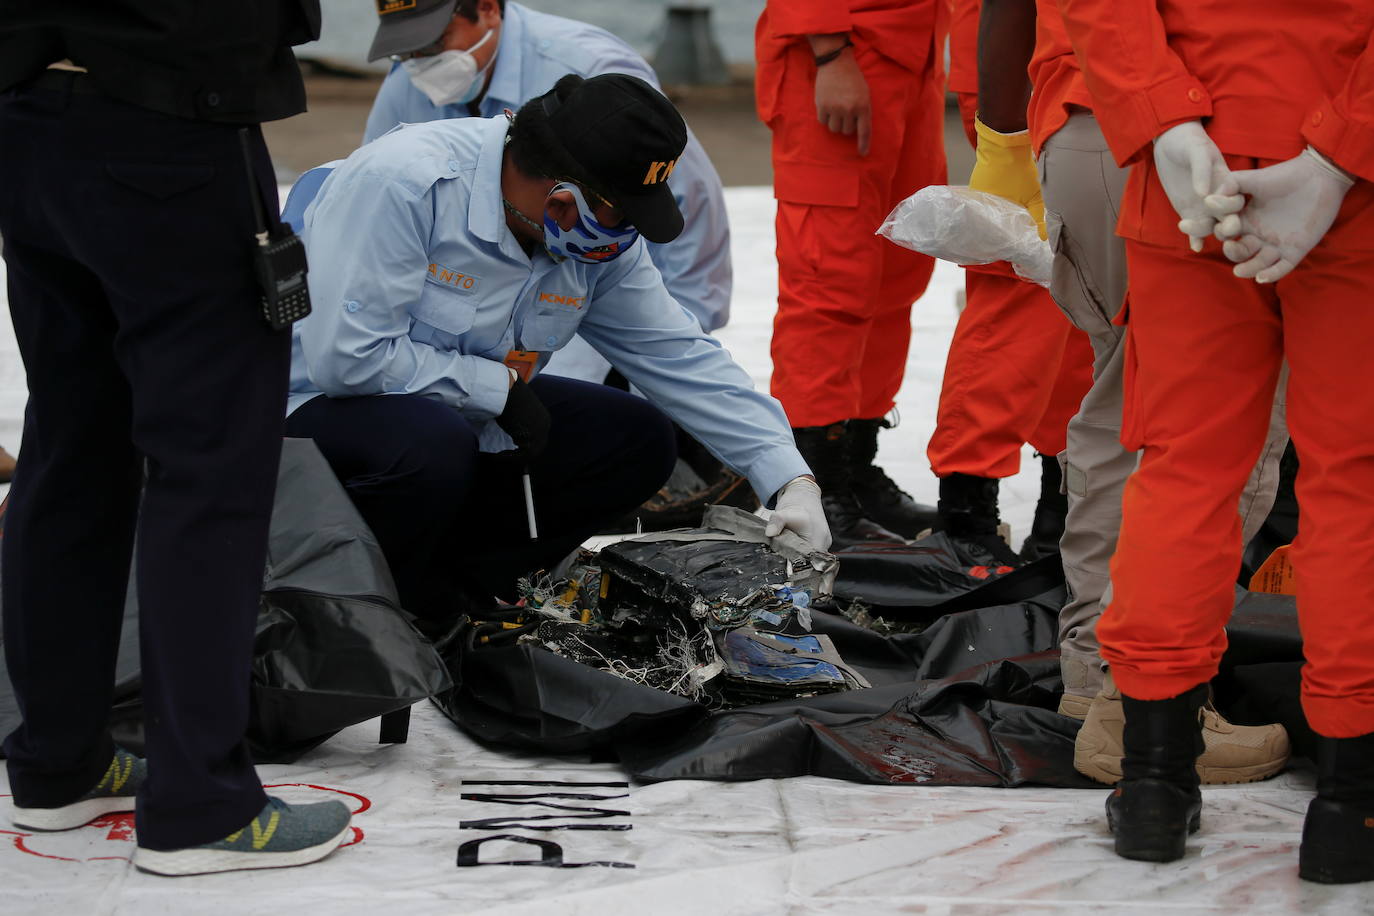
(408, 25)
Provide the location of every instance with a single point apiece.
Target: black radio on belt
(279, 260)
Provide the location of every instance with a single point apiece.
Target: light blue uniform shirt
(420, 288)
(536, 49)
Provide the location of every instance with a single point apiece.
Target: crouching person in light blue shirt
(448, 261)
(475, 58)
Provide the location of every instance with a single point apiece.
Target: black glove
(525, 419)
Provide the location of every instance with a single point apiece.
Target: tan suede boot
(1082, 675)
(1233, 753)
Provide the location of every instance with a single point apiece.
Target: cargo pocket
(445, 310)
(821, 184)
(549, 330)
(161, 180)
(805, 191)
(1078, 296)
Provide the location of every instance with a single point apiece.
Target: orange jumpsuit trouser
(1016, 372)
(1204, 350)
(843, 323)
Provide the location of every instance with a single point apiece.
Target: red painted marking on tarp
(20, 845)
(121, 825)
(363, 801)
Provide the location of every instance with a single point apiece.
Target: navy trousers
(128, 238)
(450, 519)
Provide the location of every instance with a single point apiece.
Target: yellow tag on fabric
(1275, 575)
(522, 361)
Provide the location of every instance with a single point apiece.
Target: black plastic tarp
(968, 701)
(924, 580)
(332, 648)
(964, 673)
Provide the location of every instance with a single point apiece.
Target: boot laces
(878, 481)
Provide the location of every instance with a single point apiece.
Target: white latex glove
(1190, 167)
(799, 509)
(1291, 205)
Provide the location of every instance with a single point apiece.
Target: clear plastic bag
(964, 226)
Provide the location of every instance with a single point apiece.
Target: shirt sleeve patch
(452, 277)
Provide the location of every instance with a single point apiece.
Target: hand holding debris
(1005, 166)
(799, 509)
(525, 419)
(970, 227)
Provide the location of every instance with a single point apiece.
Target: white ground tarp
(431, 814)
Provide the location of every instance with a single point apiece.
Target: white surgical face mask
(449, 77)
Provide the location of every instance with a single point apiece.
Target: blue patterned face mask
(587, 241)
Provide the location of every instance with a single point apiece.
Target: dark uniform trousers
(128, 237)
(450, 519)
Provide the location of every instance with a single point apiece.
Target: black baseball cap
(408, 25)
(626, 137)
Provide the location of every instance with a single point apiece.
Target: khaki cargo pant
(1082, 187)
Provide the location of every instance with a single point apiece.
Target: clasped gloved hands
(1190, 167)
(1005, 167)
(525, 419)
(799, 509)
(1269, 219)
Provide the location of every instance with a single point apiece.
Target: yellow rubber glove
(1005, 167)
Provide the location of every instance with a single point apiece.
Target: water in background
(349, 24)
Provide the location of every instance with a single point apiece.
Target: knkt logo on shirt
(573, 302)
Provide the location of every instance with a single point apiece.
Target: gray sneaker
(280, 836)
(114, 793)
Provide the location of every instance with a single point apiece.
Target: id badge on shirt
(523, 362)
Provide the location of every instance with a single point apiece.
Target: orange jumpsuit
(843, 323)
(1016, 370)
(1204, 348)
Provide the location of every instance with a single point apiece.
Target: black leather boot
(968, 512)
(1157, 803)
(1048, 526)
(1338, 834)
(826, 450)
(879, 497)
